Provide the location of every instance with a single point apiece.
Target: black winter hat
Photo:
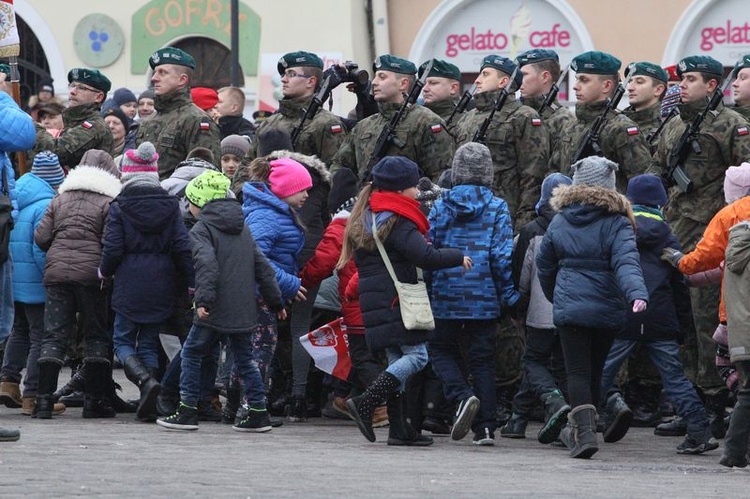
(274, 140)
(343, 188)
(395, 173)
(648, 190)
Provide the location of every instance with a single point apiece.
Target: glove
(672, 257)
(639, 306)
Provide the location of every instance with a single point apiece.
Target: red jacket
(321, 266)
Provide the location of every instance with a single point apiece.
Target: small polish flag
(536, 122)
(742, 130)
(329, 347)
(87, 124)
(205, 126)
(336, 129)
(633, 130)
(436, 128)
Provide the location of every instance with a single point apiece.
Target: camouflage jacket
(444, 109)
(177, 128)
(744, 111)
(425, 141)
(519, 145)
(555, 119)
(724, 140)
(620, 139)
(321, 136)
(648, 119)
(84, 129)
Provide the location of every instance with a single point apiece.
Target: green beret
(701, 64)
(596, 62)
(648, 69)
(743, 63)
(536, 55)
(4, 68)
(171, 55)
(441, 69)
(299, 59)
(395, 64)
(500, 63)
(91, 77)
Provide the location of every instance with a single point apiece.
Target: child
(588, 262)
(402, 228)
(542, 363)
(34, 192)
(233, 150)
(469, 217)
(228, 267)
(147, 250)
(669, 315)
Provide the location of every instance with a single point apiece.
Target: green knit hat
(206, 187)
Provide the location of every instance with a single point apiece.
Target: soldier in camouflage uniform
(517, 140)
(442, 90)
(420, 131)
(541, 69)
(84, 127)
(646, 88)
(741, 87)
(178, 126)
(724, 139)
(620, 139)
(301, 75)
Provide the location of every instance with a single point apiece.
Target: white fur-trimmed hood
(93, 179)
(310, 161)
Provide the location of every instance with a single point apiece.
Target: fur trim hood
(93, 179)
(311, 162)
(606, 200)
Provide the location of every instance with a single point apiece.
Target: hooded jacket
(736, 279)
(525, 274)
(588, 262)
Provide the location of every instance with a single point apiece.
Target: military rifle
(317, 102)
(652, 137)
(676, 174)
(462, 104)
(388, 134)
(549, 99)
(590, 146)
(481, 133)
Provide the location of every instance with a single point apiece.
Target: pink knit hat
(140, 161)
(288, 177)
(736, 182)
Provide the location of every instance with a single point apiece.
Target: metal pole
(234, 70)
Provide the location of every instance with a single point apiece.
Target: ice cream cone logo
(520, 26)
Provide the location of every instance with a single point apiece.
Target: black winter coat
(235, 125)
(669, 314)
(407, 249)
(229, 268)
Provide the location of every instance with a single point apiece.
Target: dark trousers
(585, 350)
(365, 366)
(543, 369)
(22, 349)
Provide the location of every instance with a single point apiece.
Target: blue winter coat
(472, 219)
(407, 249)
(588, 262)
(669, 314)
(147, 249)
(33, 195)
(18, 134)
(277, 232)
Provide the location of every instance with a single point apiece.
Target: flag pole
(10, 47)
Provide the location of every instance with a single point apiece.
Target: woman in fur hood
(589, 268)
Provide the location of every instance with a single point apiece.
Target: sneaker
(186, 418)
(436, 426)
(484, 437)
(515, 427)
(297, 410)
(467, 409)
(257, 421)
(693, 445)
(674, 428)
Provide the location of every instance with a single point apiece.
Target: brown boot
(10, 395)
(29, 403)
(380, 417)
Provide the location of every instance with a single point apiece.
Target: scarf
(400, 205)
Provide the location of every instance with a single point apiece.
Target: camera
(349, 73)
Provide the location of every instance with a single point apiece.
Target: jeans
(445, 354)
(543, 367)
(405, 360)
(585, 350)
(202, 340)
(132, 338)
(7, 310)
(665, 356)
(170, 381)
(22, 349)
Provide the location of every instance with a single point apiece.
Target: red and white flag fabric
(329, 347)
(10, 43)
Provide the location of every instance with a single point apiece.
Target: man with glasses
(301, 75)
(178, 126)
(84, 128)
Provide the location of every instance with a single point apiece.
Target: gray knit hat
(239, 145)
(472, 165)
(595, 171)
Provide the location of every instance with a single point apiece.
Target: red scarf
(400, 205)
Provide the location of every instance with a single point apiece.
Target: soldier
(301, 76)
(541, 69)
(517, 140)
(442, 90)
(620, 139)
(724, 141)
(84, 128)
(178, 126)
(420, 131)
(646, 89)
(741, 87)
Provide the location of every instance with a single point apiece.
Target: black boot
(150, 388)
(646, 413)
(96, 404)
(716, 405)
(618, 418)
(363, 406)
(738, 436)
(229, 412)
(45, 401)
(71, 394)
(556, 416)
(582, 435)
(400, 432)
(515, 427)
(120, 405)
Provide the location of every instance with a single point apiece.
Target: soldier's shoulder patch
(436, 128)
(87, 124)
(742, 130)
(632, 130)
(204, 126)
(536, 121)
(337, 129)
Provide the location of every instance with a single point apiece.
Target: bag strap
(384, 255)
(6, 188)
